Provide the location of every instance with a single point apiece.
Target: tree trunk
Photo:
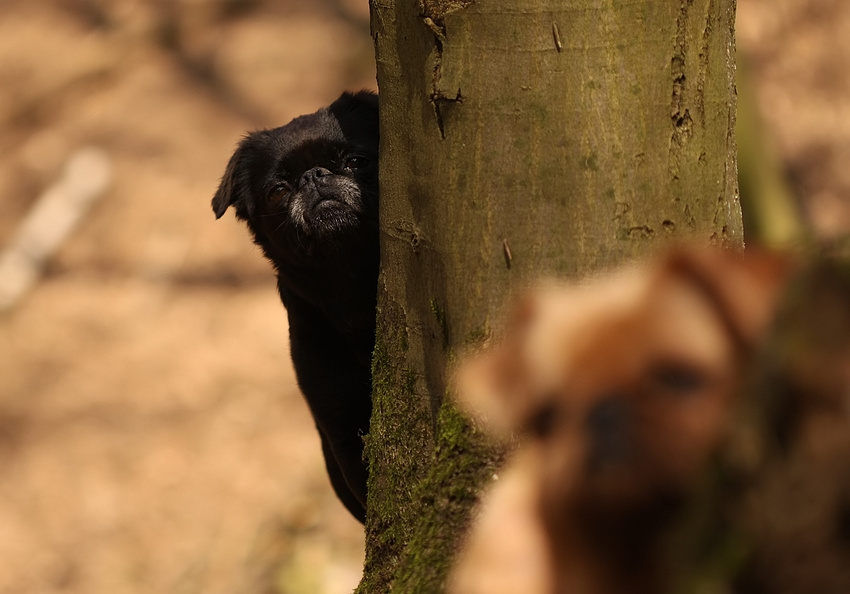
(519, 138)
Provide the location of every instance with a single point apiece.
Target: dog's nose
(313, 175)
(609, 428)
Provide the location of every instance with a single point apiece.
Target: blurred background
(152, 438)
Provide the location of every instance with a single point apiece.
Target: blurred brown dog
(622, 389)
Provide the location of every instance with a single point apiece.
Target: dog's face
(623, 387)
(311, 186)
(631, 384)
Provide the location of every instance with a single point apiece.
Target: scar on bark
(439, 101)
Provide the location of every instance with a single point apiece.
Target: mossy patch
(398, 448)
(464, 461)
(422, 485)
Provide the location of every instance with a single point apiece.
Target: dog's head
(311, 185)
(623, 386)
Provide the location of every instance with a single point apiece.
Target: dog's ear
(744, 287)
(367, 101)
(357, 114)
(235, 187)
(487, 383)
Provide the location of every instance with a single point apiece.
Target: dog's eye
(679, 378)
(279, 190)
(543, 421)
(356, 162)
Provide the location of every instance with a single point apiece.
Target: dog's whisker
(280, 213)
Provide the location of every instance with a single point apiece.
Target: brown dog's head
(623, 387)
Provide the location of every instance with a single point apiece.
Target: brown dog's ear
(487, 384)
(235, 186)
(743, 286)
(482, 390)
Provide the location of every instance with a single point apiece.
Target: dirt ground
(152, 438)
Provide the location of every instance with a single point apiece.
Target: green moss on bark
(399, 449)
(464, 461)
(423, 485)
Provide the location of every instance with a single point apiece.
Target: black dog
(309, 194)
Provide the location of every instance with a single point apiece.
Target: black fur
(309, 194)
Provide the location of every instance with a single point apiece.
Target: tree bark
(519, 138)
